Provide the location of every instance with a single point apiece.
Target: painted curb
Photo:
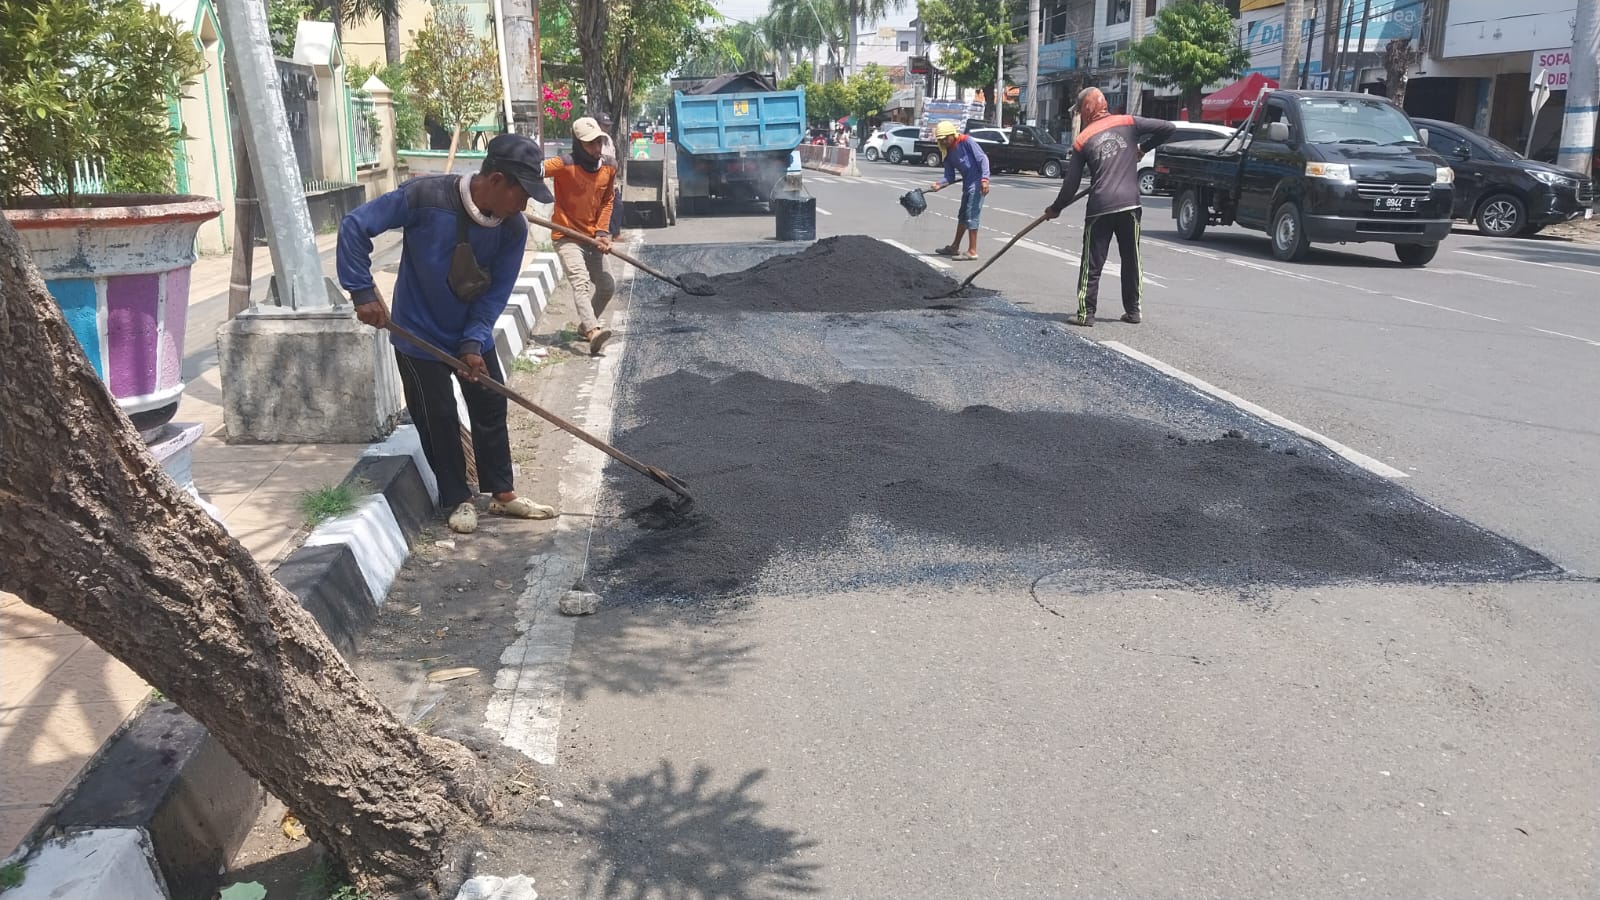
(161, 796)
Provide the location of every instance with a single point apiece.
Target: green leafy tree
(970, 34)
(408, 126)
(830, 100)
(283, 20)
(627, 42)
(86, 82)
(1195, 43)
(454, 74)
(870, 91)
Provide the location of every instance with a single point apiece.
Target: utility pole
(1031, 114)
(1305, 64)
(1294, 12)
(519, 64)
(999, 83)
(1332, 13)
(1135, 102)
(1583, 93)
(1361, 47)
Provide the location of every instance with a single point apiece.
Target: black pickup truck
(1020, 148)
(1316, 167)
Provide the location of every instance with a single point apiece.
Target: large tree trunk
(591, 21)
(95, 534)
(391, 38)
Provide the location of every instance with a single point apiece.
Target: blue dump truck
(734, 135)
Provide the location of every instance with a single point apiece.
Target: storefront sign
(1556, 66)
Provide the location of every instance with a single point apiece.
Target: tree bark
(1398, 58)
(391, 37)
(93, 532)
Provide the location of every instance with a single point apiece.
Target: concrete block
(520, 310)
(306, 378)
(165, 777)
(399, 479)
(329, 583)
(406, 442)
(96, 864)
(373, 536)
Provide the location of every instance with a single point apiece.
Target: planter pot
(119, 267)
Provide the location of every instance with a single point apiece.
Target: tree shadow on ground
(677, 836)
(637, 651)
(821, 490)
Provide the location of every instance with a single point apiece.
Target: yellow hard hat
(945, 129)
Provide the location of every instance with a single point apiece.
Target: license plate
(1395, 203)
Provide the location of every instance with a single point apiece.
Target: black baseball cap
(518, 156)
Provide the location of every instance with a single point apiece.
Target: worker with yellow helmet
(963, 156)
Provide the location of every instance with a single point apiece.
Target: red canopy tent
(1235, 102)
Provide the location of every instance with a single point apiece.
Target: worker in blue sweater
(963, 157)
(464, 242)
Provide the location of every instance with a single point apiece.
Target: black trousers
(1097, 234)
(432, 403)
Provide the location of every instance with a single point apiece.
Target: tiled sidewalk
(60, 695)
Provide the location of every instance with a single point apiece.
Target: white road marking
(1361, 459)
(1445, 308)
(1529, 262)
(1571, 336)
(530, 685)
(1435, 270)
(823, 212)
(932, 261)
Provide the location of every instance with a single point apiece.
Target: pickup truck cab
(1316, 167)
(1022, 148)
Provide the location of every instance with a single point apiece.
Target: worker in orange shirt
(585, 186)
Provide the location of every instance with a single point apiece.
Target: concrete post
(1135, 104)
(1583, 93)
(521, 54)
(383, 108)
(298, 277)
(1289, 63)
(1030, 115)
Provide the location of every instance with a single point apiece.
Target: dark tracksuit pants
(1097, 233)
(432, 403)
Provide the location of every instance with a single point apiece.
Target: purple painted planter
(119, 267)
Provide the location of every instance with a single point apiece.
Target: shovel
(696, 283)
(662, 478)
(990, 261)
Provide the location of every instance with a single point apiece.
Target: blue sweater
(426, 208)
(969, 160)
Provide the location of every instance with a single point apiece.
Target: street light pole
(1032, 113)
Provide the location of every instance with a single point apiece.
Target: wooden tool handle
(585, 239)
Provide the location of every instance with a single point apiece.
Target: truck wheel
(1415, 254)
(931, 158)
(1289, 233)
(1192, 215)
(1147, 182)
(872, 154)
(895, 155)
(1051, 168)
(1502, 216)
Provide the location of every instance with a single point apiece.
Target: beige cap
(586, 129)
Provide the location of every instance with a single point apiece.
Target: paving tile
(26, 664)
(8, 599)
(212, 449)
(45, 747)
(299, 474)
(225, 503)
(232, 476)
(15, 823)
(89, 675)
(20, 620)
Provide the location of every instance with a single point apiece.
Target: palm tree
(802, 26)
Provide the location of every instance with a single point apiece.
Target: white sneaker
(465, 519)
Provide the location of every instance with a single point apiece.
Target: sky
(750, 10)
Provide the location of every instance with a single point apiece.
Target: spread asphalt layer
(839, 431)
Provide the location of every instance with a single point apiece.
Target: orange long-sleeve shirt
(583, 198)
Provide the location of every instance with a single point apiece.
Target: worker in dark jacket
(1111, 147)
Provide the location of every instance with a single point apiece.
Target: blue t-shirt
(428, 209)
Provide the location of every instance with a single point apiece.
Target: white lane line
(1112, 269)
(1571, 336)
(936, 263)
(1435, 270)
(821, 211)
(1528, 262)
(1380, 469)
(1445, 308)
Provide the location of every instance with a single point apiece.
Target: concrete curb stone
(162, 807)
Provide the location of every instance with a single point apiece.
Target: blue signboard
(1058, 57)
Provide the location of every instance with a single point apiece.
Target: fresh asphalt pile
(849, 273)
(811, 475)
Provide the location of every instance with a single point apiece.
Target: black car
(1503, 191)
